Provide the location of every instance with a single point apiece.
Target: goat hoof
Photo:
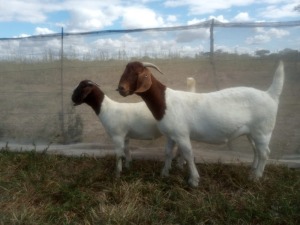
(118, 174)
(127, 165)
(180, 165)
(253, 176)
(193, 182)
(165, 173)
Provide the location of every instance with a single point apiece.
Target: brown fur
(144, 82)
(139, 79)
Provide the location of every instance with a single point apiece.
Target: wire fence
(39, 73)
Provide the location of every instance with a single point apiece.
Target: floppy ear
(86, 91)
(144, 82)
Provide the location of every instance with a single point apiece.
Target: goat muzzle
(123, 91)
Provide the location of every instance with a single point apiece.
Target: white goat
(216, 117)
(121, 121)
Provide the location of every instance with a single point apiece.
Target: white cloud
(171, 18)
(219, 18)
(141, 17)
(242, 17)
(195, 21)
(41, 31)
(269, 9)
(108, 43)
(258, 39)
(278, 11)
(22, 36)
(274, 32)
(266, 35)
(92, 17)
(192, 35)
(197, 7)
(33, 11)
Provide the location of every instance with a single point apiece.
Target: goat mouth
(123, 92)
(76, 103)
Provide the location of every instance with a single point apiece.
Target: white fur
(124, 121)
(221, 116)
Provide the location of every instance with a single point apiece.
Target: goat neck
(95, 99)
(154, 98)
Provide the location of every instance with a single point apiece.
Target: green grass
(37, 188)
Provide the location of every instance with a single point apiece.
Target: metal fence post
(62, 118)
(212, 58)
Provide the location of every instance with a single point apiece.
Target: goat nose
(120, 88)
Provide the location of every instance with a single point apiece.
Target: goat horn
(146, 64)
(93, 83)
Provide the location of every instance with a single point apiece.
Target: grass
(37, 188)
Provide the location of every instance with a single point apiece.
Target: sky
(19, 18)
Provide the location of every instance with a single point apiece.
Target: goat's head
(82, 91)
(136, 78)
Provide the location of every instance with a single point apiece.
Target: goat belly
(218, 136)
(145, 133)
(211, 137)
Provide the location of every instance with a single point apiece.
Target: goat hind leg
(168, 157)
(255, 157)
(262, 151)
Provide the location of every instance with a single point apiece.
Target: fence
(39, 73)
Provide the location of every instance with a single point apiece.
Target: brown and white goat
(122, 121)
(216, 117)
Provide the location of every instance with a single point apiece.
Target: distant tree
(262, 53)
(289, 54)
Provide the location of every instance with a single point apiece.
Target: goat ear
(144, 82)
(86, 92)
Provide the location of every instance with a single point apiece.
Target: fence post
(211, 31)
(212, 55)
(62, 118)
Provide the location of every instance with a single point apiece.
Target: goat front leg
(128, 158)
(119, 150)
(168, 157)
(187, 152)
(180, 160)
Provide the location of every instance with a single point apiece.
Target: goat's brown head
(136, 78)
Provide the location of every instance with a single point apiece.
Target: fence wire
(39, 73)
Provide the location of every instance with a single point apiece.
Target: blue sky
(32, 17)
(19, 18)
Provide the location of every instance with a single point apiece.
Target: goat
(121, 121)
(216, 117)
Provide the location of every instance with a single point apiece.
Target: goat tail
(191, 84)
(276, 87)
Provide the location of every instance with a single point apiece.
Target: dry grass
(38, 188)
